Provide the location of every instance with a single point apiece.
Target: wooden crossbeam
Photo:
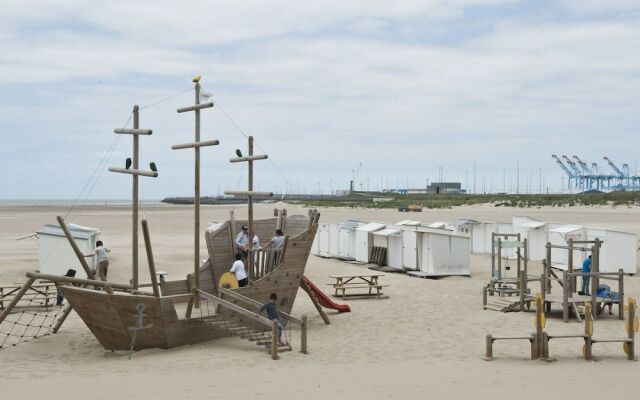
(195, 145)
(249, 158)
(195, 107)
(124, 131)
(136, 172)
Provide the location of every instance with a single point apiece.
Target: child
(102, 258)
(238, 269)
(273, 314)
(71, 273)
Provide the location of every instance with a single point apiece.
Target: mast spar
(250, 158)
(196, 197)
(134, 172)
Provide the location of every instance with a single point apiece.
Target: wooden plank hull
(111, 317)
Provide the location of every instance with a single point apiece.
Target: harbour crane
(565, 169)
(578, 181)
(582, 164)
(614, 167)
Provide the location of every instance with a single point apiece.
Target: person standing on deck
(586, 268)
(242, 242)
(102, 258)
(238, 270)
(276, 243)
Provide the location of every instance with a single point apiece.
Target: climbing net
(32, 317)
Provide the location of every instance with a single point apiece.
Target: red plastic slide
(323, 299)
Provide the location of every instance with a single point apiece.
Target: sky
(411, 91)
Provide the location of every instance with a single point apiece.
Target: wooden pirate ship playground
(194, 309)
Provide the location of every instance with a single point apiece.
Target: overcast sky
(410, 89)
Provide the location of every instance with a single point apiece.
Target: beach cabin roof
(534, 224)
(371, 227)
(408, 222)
(351, 224)
(388, 232)
(465, 221)
(437, 225)
(566, 229)
(77, 231)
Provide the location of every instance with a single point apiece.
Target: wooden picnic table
(358, 281)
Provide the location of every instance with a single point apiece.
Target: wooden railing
(264, 261)
(254, 316)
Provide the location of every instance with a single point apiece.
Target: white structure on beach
(56, 255)
(442, 248)
(364, 240)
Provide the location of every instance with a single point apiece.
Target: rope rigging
(35, 317)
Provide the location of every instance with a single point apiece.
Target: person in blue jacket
(586, 268)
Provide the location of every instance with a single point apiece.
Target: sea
(69, 202)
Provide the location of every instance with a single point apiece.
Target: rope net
(35, 315)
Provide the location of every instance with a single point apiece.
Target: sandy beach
(426, 339)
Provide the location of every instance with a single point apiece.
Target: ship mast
(134, 172)
(196, 197)
(250, 158)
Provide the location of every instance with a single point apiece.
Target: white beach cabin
(56, 255)
(443, 252)
(347, 239)
(334, 240)
(390, 238)
(558, 235)
(536, 233)
(619, 250)
(409, 244)
(364, 240)
(321, 241)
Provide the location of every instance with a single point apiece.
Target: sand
(425, 340)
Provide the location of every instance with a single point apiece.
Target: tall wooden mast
(250, 193)
(196, 197)
(134, 171)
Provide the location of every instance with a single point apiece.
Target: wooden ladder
(262, 338)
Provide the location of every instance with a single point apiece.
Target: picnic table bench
(358, 281)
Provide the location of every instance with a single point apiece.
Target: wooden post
(545, 347)
(526, 256)
(250, 204)
(493, 256)
(534, 349)
(539, 327)
(542, 283)
(489, 347)
(565, 296)
(594, 284)
(134, 200)
(16, 298)
(570, 265)
(274, 340)
(523, 290)
(303, 336)
(152, 265)
(547, 268)
(518, 261)
(588, 331)
(631, 333)
(75, 248)
(499, 258)
(63, 317)
(621, 294)
(196, 199)
(484, 295)
(314, 300)
(196, 195)
(192, 300)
